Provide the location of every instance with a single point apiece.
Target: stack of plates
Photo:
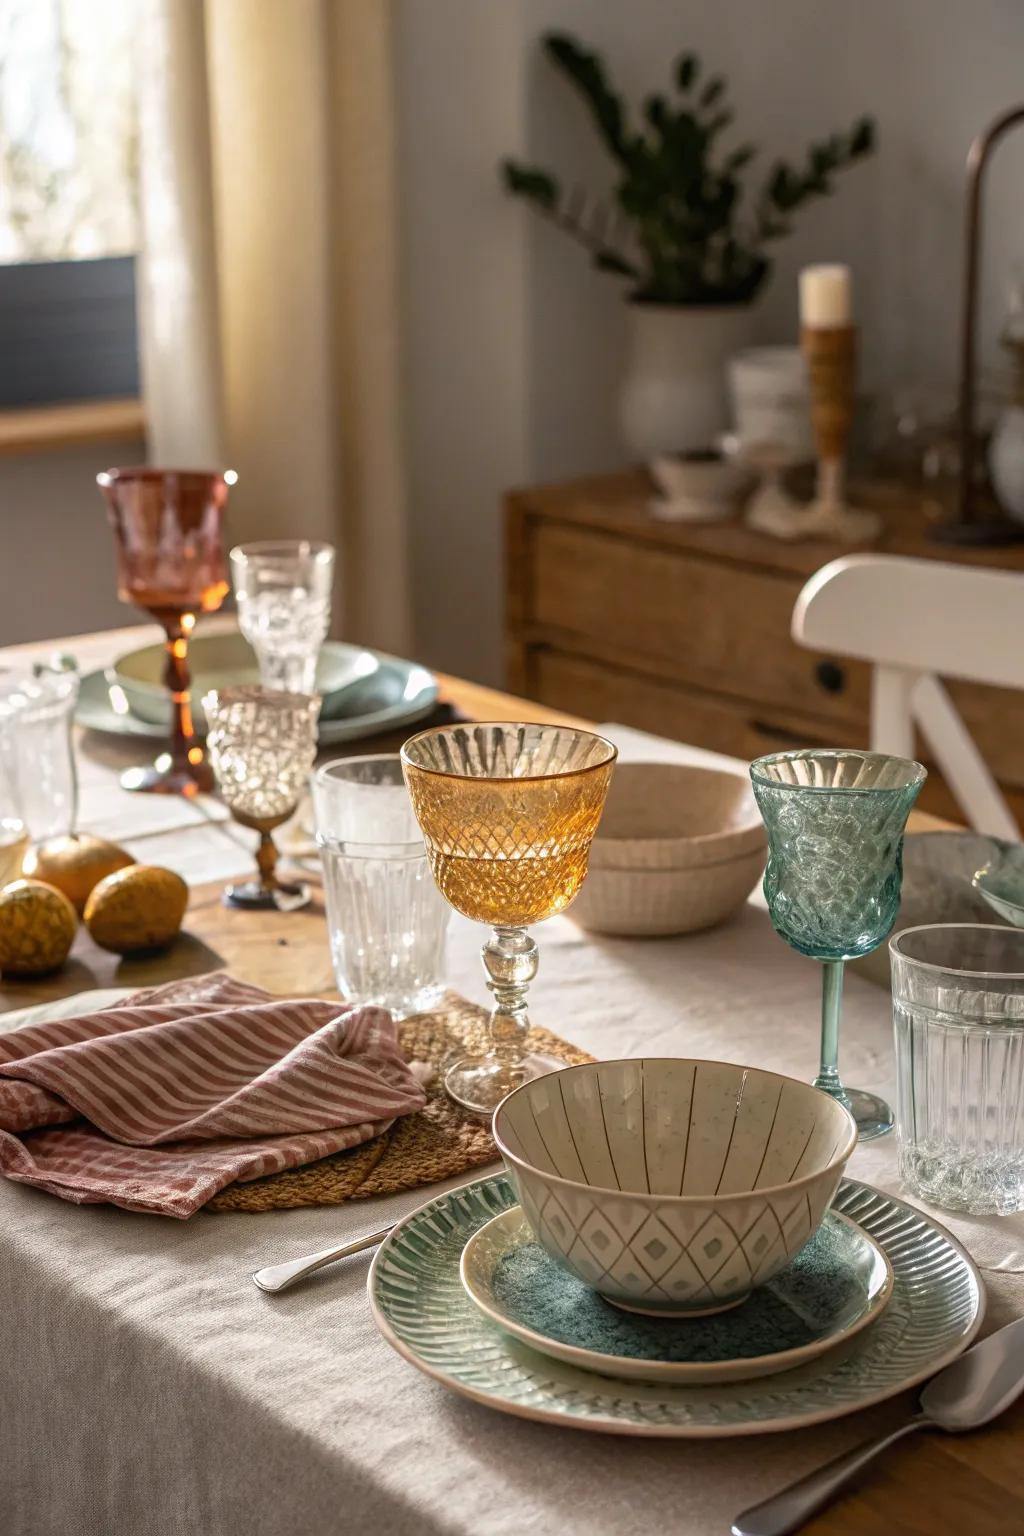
(364, 692)
(878, 1300)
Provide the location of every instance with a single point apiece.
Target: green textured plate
(420, 1306)
(837, 1284)
(407, 693)
(349, 678)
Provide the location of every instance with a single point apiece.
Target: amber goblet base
(267, 893)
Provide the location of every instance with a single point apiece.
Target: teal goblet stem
(831, 1012)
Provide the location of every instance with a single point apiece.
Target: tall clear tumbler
(386, 918)
(958, 1010)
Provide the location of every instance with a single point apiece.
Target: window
(68, 214)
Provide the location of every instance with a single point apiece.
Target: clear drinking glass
(958, 1012)
(37, 761)
(835, 822)
(283, 590)
(386, 920)
(508, 812)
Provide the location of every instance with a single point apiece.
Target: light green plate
(420, 1306)
(406, 693)
(350, 679)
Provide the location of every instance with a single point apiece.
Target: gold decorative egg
(136, 909)
(37, 928)
(75, 864)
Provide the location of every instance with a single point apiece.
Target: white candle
(826, 296)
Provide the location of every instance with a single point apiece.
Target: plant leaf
(587, 73)
(687, 70)
(712, 91)
(530, 182)
(862, 139)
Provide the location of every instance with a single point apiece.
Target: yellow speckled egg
(135, 909)
(37, 928)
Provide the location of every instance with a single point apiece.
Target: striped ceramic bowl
(673, 1186)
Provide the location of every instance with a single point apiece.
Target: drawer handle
(830, 676)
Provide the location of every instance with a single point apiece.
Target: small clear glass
(386, 919)
(37, 759)
(958, 1012)
(283, 591)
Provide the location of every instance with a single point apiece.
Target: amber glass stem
(178, 681)
(266, 858)
(510, 960)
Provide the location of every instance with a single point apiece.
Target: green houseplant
(693, 247)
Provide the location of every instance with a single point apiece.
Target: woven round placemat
(438, 1142)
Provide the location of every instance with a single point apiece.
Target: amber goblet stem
(188, 761)
(268, 891)
(510, 959)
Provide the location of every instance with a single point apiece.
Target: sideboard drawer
(703, 622)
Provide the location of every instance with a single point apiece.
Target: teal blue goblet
(835, 823)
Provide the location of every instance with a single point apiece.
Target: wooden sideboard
(683, 630)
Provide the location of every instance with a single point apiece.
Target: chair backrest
(914, 621)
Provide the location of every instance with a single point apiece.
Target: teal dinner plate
(838, 1283)
(422, 1308)
(402, 694)
(349, 678)
(1001, 883)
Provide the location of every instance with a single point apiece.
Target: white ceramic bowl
(702, 487)
(678, 848)
(673, 1186)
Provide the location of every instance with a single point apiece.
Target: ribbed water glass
(958, 1010)
(386, 920)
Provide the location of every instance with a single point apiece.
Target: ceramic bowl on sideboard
(679, 848)
(673, 1186)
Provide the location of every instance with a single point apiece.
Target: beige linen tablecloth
(150, 1388)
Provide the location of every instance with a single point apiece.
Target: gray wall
(56, 558)
(515, 346)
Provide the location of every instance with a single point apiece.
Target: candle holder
(831, 355)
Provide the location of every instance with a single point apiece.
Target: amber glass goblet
(262, 746)
(508, 813)
(171, 562)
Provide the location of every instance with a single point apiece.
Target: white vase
(674, 397)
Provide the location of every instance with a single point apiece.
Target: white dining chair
(917, 621)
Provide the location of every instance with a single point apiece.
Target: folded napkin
(159, 1101)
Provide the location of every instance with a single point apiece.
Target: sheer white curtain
(268, 288)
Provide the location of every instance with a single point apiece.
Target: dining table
(150, 1387)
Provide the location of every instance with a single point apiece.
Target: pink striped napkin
(162, 1099)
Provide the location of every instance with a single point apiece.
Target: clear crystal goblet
(262, 745)
(835, 821)
(283, 591)
(508, 813)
